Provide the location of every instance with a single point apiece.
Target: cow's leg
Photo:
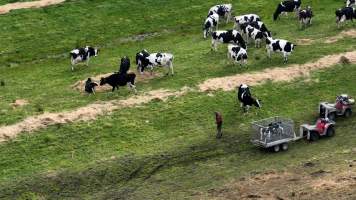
(213, 45)
(72, 62)
(228, 16)
(171, 68)
(151, 69)
(268, 53)
(132, 87)
(87, 63)
(285, 56)
(113, 88)
(241, 104)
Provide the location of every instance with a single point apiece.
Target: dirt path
(275, 74)
(31, 4)
(292, 184)
(328, 40)
(92, 111)
(85, 113)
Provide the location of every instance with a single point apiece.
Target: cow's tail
(278, 11)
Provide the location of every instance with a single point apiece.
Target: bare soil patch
(31, 4)
(89, 112)
(19, 103)
(305, 41)
(289, 185)
(275, 74)
(348, 33)
(140, 78)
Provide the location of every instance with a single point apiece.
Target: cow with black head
(141, 60)
(115, 80)
(124, 65)
(237, 54)
(286, 7)
(90, 86)
(210, 24)
(243, 19)
(153, 60)
(305, 17)
(350, 3)
(345, 14)
(223, 10)
(245, 98)
(82, 55)
(227, 37)
(261, 26)
(278, 45)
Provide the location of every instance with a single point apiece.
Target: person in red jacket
(219, 121)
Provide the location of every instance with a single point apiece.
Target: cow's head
(102, 81)
(96, 51)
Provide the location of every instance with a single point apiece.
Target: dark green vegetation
(160, 150)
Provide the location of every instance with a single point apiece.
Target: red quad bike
(323, 127)
(342, 107)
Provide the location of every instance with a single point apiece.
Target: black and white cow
(261, 26)
(305, 17)
(141, 60)
(344, 14)
(287, 6)
(90, 86)
(243, 19)
(223, 10)
(229, 36)
(350, 3)
(115, 80)
(252, 33)
(245, 98)
(237, 53)
(211, 22)
(82, 55)
(156, 59)
(279, 45)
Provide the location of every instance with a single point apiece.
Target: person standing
(219, 121)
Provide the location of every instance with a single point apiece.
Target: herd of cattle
(246, 27)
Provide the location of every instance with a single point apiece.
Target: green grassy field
(163, 149)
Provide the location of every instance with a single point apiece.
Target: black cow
(229, 36)
(90, 86)
(82, 54)
(115, 80)
(305, 17)
(343, 14)
(287, 6)
(246, 99)
(124, 65)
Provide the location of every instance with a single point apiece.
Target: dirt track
(31, 4)
(91, 111)
(275, 74)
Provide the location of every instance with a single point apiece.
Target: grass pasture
(159, 150)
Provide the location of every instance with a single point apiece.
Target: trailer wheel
(314, 136)
(330, 132)
(348, 113)
(276, 148)
(285, 146)
(332, 116)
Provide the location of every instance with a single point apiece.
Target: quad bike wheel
(332, 116)
(330, 132)
(314, 136)
(348, 113)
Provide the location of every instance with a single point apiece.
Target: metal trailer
(274, 132)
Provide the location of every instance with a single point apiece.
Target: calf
(287, 6)
(343, 14)
(243, 19)
(237, 53)
(223, 10)
(246, 99)
(229, 36)
(210, 23)
(305, 17)
(261, 26)
(90, 86)
(157, 59)
(350, 3)
(115, 80)
(253, 33)
(278, 45)
(82, 54)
